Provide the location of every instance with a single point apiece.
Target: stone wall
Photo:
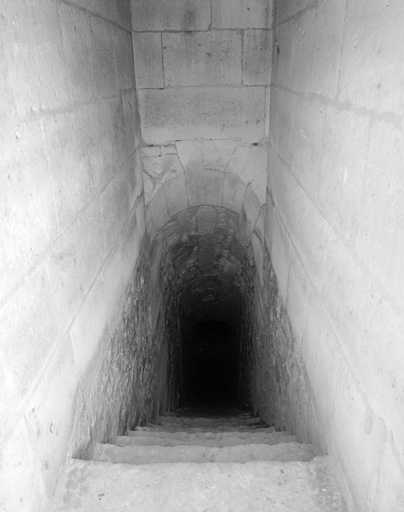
(283, 395)
(203, 71)
(72, 229)
(123, 393)
(334, 233)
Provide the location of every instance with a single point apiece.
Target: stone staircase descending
(185, 464)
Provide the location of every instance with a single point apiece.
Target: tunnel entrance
(205, 272)
(210, 365)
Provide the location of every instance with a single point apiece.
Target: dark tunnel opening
(210, 365)
(206, 273)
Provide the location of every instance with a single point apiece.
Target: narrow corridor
(204, 282)
(201, 202)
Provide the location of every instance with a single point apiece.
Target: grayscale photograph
(201, 255)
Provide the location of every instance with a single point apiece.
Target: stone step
(200, 454)
(181, 428)
(89, 486)
(202, 421)
(269, 433)
(203, 439)
(209, 412)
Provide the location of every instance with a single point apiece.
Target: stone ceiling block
(202, 58)
(183, 15)
(202, 112)
(257, 52)
(148, 60)
(241, 14)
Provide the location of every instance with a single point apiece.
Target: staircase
(200, 464)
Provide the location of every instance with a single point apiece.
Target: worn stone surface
(220, 439)
(19, 465)
(124, 391)
(29, 331)
(205, 154)
(160, 169)
(202, 58)
(69, 268)
(176, 193)
(242, 14)
(159, 208)
(150, 455)
(51, 415)
(257, 53)
(285, 473)
(205, 187)
(26, 204)
(335, 240)
(284, 398)
(233, 192)
(250, 164)
(32, 51)
(70, 181)
(371, 30)
(179, 15)
(284, 485)
(324, 73)
(212, 113)
(148, 60)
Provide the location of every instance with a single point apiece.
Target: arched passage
(204, 273)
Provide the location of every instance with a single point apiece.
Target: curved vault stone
(204, 187)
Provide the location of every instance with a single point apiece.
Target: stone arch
(205, 231)
(210, 188)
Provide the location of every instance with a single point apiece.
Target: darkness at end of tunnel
(211, 366)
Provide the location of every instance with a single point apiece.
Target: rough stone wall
(282, 391)
(72, 227)
(334, 233)
(247, 371)
(202, 70)
(173, 373)
(123, 392)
